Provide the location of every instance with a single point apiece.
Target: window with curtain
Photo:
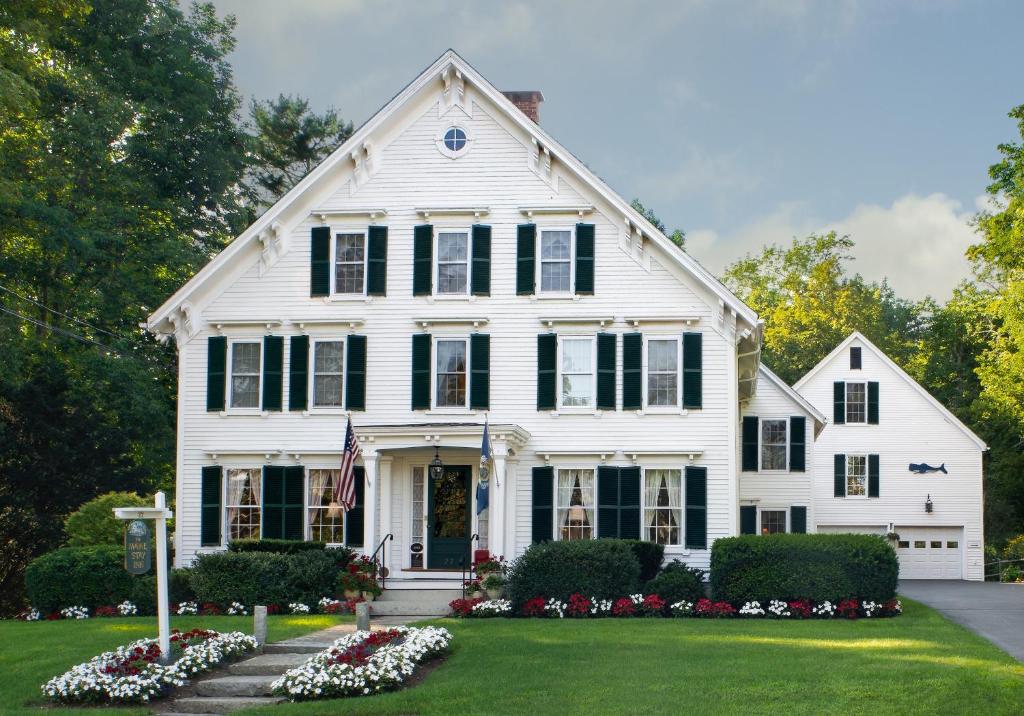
(451, 373)
(245, 375)
(453, 262)
(349, 263)
(577, 372)
(856, 475)
(243, 503)
(773, 444)
(663, 506)
(856, 403)
(663, 372)
(326, 524)
(328, 374)
(575, 504)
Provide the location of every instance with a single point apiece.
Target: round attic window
(453, 142)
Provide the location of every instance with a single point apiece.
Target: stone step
(267, 664)
(258, 685)
(221, 705)
(308, 647)
(419, 595)
(403, 608)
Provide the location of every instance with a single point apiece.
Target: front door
(448, 519)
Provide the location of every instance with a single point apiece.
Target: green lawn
(916, 663)
(32, 652)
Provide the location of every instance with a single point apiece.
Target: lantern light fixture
(928, 506)
(436, 466)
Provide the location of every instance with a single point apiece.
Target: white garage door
(930, 552)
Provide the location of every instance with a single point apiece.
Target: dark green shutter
(798, 519)
(272, 513)
(421, 371)
(873, 470)
(216, 372)
(872, 403)
(547, 370)
(210, 507)
(797, 443)
(298, 373)
(748, 520)
(422, 259)
(693, 364)
(273, 372)
(526, 251)
(606, 347)
(355, 373)
(354, 517)
(629, 503)
(696, 507)
(377, 261)
(480, 371)
(607, 501)
(750, 427)
(543, 503)
(480, 279)
(840, 475)
(632, 371)
(839, 403)
(292, 507)
(585, 259)
(320, 261)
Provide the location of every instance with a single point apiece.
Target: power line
(59, 313)
(64, 331)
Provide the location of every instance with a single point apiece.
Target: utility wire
(64, 331)
(54, 310)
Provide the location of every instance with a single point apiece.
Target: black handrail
(473, 538)
(381, 564)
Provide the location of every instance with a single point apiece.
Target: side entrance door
(448, 519)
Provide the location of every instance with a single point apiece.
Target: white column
(370, 502)
(385, 503)
(496, 506)
(510, 506)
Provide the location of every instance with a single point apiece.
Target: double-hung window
(575, 499)
(773, 521)
(663, 367)
(856, 475)
(577, 372)
(663, 506)
(774, 444)
(326, 523)
(243, 502)
(350, 263)
(453, 263)
(555, 264)
(451, 356)
(245, 374)
(328, 374)
(856, 403)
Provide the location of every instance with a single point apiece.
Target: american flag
(345, 488)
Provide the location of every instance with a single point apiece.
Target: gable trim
(778, 382)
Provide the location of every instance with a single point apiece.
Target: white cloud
(917, 242)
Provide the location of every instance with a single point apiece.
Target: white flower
(778, 608)
(753, 609)
(237, 609)
(188, 608)
(681, 609)
(492, 608)
(555, 608)
(30, 615)
(127, 609)
(75, 612)
(825, 609)
(298, 608)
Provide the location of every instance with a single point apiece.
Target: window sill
(348, 298)
(593, 412)
(325, 411)
(659, 410)
(252, 412)
(468, 298)
(450, 411)
(555, 297)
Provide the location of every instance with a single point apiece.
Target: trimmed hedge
(282, 546)
(267, 577)
(678, 582)
(78, 576)
(650, 555)
(604, 569)
(803, 566)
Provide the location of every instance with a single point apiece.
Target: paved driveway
(993, 610)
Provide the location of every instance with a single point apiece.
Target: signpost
(138, 560)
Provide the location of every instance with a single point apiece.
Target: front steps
(414, 602)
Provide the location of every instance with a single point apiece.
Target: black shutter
(606, 347)
(377, 261)
(607, 501)
(480, 371)
(421, 371)
(543, 503)
(873, 470)
(526, 250)
(272, 516)
(273, 372)
(748, 520)
(298, 373)
(750, 427)
(798, 519)
(480, 280)
(839, 403)
(355, 373)
(840, 475)
(216, 372)
(632, 371)
(629, 503)
(422, 259)
(294, 491)
(872, 403)
(210, 507)
(585, 259)
(696, 507)
(797, 443)
(855, 358)
(547, 370)
(693, 363)
(354, 517)
(320, 261)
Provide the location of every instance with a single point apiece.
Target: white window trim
(677, 408)
(589, 409)
(846, 477)
(365, 232)
(434, 407)
(538, 269)
(307, 527)
(556, 531)
(783, 510)
(436, 267)
(311, 387)
(439, 141)
(846, 402)
(760, 435)
(230, 373)
(682, 505)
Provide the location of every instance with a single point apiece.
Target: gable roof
(857, 335)
(158, 320)
(793, 395)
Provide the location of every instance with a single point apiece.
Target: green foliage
(1012, 573)
(677, 237)
(267, 577)
(602, 568)
(1014, 548)
(284, 546)
(94, 523)
(803, 566)
(179, 585)
(650, 555)
(78, 576)
(678, 582)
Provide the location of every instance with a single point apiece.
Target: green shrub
(1014, 548)
(810, 566)
(650, 555)
(312, 575)
(604, 569)
(246, 577)
(144, 594)
(94, 523)
(78, 576)
(678, 582)
(179, 585)
(283, 546)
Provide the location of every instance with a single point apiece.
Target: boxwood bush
(267, 577)
(78, 576)
(650, 555)
(795, 566)
(605, 569)
(678, 582)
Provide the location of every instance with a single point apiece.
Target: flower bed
(363, 663)
(132, 673)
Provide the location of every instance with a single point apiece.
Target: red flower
(800, 608)
(848, 608)
(106, 611)
(578, 605)
(708, 608)
(624, 607)
(209, 609)
(653, 605)
(534, 607)
(463, 607)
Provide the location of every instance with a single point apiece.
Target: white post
(496, 505)
(162, 608)
(370, 502)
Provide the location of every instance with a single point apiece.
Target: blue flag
(485, 472)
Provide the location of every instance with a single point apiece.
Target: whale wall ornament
(923, 468)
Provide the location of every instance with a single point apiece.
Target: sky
(743, 123)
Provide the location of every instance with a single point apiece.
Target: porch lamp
(436, 466)
(928, 506)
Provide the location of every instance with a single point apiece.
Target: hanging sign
(138, 551)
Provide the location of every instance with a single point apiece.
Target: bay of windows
(574, 496)
(453, 262)
(556, 261)
(328, 374)
(245, 374)
(350, 263)
(451, 359)
(663, 506)
(856, 475)
(577, 372)
(243, 502)
(773, 444)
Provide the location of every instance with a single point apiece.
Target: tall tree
(677, 236)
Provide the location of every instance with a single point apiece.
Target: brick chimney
(528, 102)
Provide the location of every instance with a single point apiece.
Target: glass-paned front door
(448, 519)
